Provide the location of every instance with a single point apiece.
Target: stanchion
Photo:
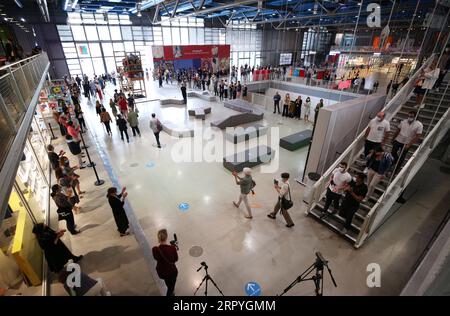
(51, 131)
(91, 163)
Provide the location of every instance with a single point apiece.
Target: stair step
(334, 225)
(358, 216)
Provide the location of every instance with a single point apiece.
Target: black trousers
(216, 93)
(82, 124)
(221, 95)
(331, 197)
(126, 134)
(135, 129)
(347, 211)
(285, 110)
(157, 138)
(70, 221)
(276, 106)
(183, 92)
(170, 283)
(368, 146)
(108, 127)
(397, 148)
(225, 94)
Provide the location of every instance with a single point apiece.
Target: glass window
(103, 33)
(95, 50)
(192, 36)
(176, 36)
(107, 49)
(72, 62)
(201, 36)
(118, 47)
(129, 47)
(184, 33)
(126, 33)
(91, 33)
(167, 37)
(110, 64)
(86, 67)
(78, 32)
(99, 67)
(115, 33)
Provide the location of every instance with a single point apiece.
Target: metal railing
(18, 84)
(355, 149)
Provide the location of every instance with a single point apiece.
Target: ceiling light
(203, 7)
(309, 9)
(139, 14)
(19, 4)
(22, 19)
(5, 19)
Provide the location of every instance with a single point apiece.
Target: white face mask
(380, 119)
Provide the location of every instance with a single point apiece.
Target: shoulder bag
(285, 203)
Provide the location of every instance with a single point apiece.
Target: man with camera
(246, 183)
(166, 255)
(283, 203)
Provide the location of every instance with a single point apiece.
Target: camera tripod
(206, 278)
(318, 266)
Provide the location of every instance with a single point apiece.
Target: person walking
(123, 107)
(408, 133)
(306, 109)
(65, 208)
(283, 203)
(378, 164)
(376, 133)
(276, 102)
(225, 90)
(131, 101)
(244, 93)
(156, 127)
(355, 192)
(116, 201)
(105, 118)
(246, 184)
(113, 106)
(55, 251)
(183, 92)
(98, 107)
(340, 178)
(221, 90)
(166, 255)
(134, 122)
(287, 102)
(123, 127)
(298, 107)
(317, 109)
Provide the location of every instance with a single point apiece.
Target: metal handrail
(21, 61)
(404, 92)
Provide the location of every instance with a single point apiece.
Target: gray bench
(237, 119)
(249, 158)
(242, 106)
(176, 130)
(201, 95)
(297, 140)
(243, 134)
(172, 101)
(199, 112)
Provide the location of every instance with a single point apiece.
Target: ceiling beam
(155, 17)
(175, 8)
(210, 10)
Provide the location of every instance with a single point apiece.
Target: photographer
(246, 184)
(166, 256)
(283, 202)
(116, 201)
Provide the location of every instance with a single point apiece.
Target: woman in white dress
(306, 109)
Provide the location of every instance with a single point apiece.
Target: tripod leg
(214, 283)
(198, 287)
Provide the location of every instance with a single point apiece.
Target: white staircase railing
(355, 149)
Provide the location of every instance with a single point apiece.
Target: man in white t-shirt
(376, 133)
(340, 178)
(407, 134)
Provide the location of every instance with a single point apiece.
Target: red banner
(179, 52)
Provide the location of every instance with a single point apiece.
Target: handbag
(285, 203)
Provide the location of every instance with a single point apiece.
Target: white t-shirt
(339, 179)
(408, 131)
(377, 130)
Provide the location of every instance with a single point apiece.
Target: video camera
(174, 242)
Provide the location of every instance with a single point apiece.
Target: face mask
(379, 119)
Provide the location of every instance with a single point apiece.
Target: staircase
(429, 116)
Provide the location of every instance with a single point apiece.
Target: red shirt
(123, 104)
(165, 256)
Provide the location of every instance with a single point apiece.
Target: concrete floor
(236, 249)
